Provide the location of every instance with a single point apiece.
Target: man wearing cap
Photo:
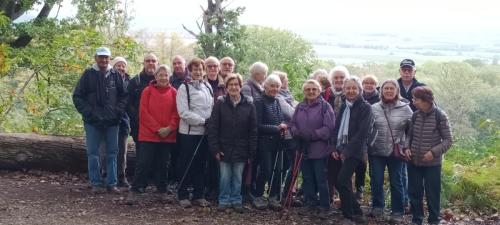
(180, 74)
(101, 99)
(407, 81)
(135, 87)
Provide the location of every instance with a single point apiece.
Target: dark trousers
(404, 181)
(196, 173)
(424, 179)
(266, 163)
(359, 180)
(172, 165)
(212, 178)
(315, 180)
(291, 150)
(152, 158)
(349, 205)
(333, 173)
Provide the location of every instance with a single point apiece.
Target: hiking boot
(359, 219)
(396, 219)
(260, 203)
(201, 202)
(123, 183)
(97, 190)
(114, 190)
(323, 213)
(239, 208)
(185, 203)
(376, 212)
(274, 204)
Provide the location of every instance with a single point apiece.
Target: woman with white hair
(254, 86)
(271, 130)
(313, 125)
(354, 123)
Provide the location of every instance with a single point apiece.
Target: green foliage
(280, 50)
(227, 37)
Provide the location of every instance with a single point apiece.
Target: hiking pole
(189, 164)
(280, 148)
(295, 172)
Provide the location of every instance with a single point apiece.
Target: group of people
(224, 140)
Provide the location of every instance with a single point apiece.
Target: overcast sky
(355, 15)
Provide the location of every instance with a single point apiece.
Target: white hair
(273, 78)
(258, 67)
(313, 82)
(212, 59)
(317, 73)
(342, 69)
(356, 80)
(163, 67)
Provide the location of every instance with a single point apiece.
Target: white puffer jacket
(194, 114)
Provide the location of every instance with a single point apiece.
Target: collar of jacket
(220, 81)
(304, 104)
(256, 85)
(96, 68)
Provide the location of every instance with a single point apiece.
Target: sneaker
(239, 208)
(376, 212)
(260, 203)
(114, 190)
(97, 190)
(185, 203)
(274, 204)
(201, 202)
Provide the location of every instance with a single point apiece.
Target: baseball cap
(407, 62)
(103, 51)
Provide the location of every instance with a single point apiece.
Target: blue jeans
(426, 180)
(94, 136)
(404, 181)
(315, 178)
(230, 183)
(377, 168)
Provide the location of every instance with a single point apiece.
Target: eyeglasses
(227, 64)
(150, 60)
(212, 66)
(407, 69)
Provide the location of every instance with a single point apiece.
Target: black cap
(407, 62)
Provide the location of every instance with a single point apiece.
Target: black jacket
(100, 98)
(360, 124)
(135, 87)
(407, 94)
(232, 130)
(269, 116)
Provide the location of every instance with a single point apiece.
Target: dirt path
(47, 198)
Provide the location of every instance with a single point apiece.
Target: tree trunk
(51, 153)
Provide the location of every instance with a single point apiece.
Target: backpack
(189, 97)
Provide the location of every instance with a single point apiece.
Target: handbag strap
(388, 124)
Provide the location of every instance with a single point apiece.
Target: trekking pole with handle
(295, 172)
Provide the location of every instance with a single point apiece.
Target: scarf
(344, 126)
(338, 101)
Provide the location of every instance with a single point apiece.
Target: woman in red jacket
(158, 122)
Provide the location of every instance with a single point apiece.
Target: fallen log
(50, 153)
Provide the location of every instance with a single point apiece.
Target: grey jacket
(428, 135)
(195, 112)
(399, 115)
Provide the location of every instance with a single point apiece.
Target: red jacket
(158, 109)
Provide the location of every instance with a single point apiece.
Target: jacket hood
(96, 68)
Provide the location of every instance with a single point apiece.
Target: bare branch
(190, 31)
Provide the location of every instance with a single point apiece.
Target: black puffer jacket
(360, 124)
(100, 98)
(232, 130)
(269, 116)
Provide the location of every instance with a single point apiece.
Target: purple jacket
(318, 120)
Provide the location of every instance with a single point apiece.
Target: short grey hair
(317, 73)
(163, 67)
(258, 67)
(342, 69)
(212, 59)
(273, 78)
(313, 82)
(356, 80)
